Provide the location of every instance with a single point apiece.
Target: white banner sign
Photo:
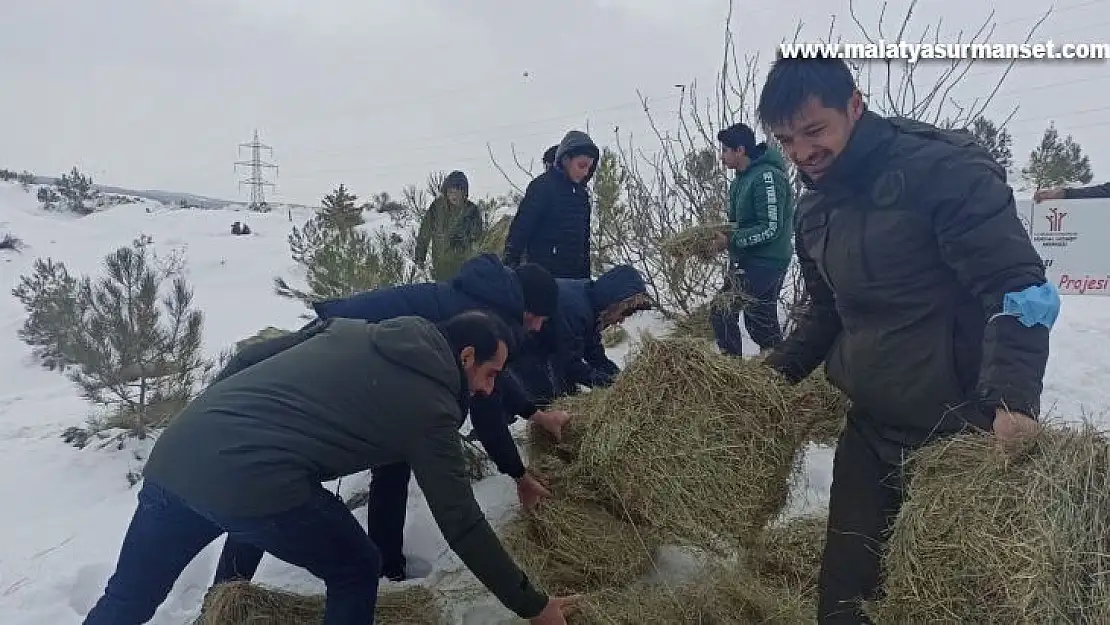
(1073, 238)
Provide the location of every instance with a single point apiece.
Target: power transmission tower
(255, 179)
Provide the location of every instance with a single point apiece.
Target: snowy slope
(65, 510)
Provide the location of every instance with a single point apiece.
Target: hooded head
(577, 156)
(617, 294)
(456, 187)
(487, 280)
(541, 295)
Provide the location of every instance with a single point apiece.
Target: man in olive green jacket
(452, 229)
(247, 457)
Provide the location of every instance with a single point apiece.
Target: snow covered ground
(65, 510)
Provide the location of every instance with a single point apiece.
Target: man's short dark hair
(738, 136)
(477, 329)
(792, 82)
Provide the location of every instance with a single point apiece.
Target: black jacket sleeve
(1086, 193)
(817, 328)
(516, 400)
(524, 223)
(594, 355)
(983, 240)
(490, 421)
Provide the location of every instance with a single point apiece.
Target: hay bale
(993, 533)
(244, 603)
(684, 428)
(573, 546)
(788, 555)
(725, 594)
(697, 242)
(613, 336)
(264, 334)
(694, 325)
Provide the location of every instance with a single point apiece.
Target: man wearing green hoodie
(248, 455)
(761, 205)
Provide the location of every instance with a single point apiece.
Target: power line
(255, 179)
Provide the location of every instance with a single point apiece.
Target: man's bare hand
(1048, 194)
(557, 610)
(552, 421)
(1010, 426)
(530, 491)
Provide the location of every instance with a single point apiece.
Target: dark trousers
(165, 534)
(385, 525)
(759, 303)
(866, 494)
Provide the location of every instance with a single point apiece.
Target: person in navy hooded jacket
(568, 351)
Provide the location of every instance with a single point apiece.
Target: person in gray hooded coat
(552, 225)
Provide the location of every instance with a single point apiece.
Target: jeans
(165, 534)
(759, 304)
(385, 527)
(865, 497)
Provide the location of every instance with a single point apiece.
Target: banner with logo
(1071, 237)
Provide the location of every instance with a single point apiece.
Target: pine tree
(136, 353)
(1057, 162)
(78, 191)
(339, 262)
(995, 140)
(50, 297)
(608, 182)
(339, 209)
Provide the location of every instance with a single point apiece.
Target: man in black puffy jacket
(928, 302)
(552, 225)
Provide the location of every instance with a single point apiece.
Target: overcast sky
(377, 93)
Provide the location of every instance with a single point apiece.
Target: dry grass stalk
(613, 336)
(994, 533)
(788, 555)
(697, 242)
(573, 546)
(684, 429)
(244, 603)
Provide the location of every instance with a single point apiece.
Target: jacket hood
(579, 142)
(416, 344)
(616, 285)
(770, 158)
(486, 279)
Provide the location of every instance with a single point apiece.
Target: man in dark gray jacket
(928, 304)
(247, 458)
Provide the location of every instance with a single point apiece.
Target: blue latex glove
(1036, 305)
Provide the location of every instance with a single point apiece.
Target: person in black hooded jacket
(524, 298)
(552, 225)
